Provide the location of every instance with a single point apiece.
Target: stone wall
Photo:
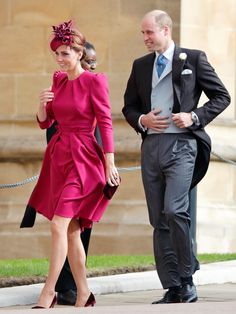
(211, 26)
(113, 26)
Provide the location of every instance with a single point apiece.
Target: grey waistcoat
(162, 97)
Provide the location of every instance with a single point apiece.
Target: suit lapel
(177, 68)
(146, 74)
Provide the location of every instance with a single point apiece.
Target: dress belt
(74, 129)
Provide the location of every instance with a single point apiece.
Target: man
(161, 101)
(66, 287)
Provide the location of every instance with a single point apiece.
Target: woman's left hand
(112, 175)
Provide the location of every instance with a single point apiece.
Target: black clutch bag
(109, 190)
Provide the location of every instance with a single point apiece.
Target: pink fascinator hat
(66, 34)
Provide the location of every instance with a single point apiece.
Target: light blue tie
(161, 64)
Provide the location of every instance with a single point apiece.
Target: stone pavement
(133, 293)
(215, 299)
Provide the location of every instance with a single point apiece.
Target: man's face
(154, 37)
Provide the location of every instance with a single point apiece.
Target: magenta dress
(72, 177)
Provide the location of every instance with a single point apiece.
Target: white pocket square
(186, 71)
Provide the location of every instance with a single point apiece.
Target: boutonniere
(183, 56)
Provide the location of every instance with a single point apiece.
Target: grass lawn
(39, 267)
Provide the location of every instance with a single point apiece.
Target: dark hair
(88, 45)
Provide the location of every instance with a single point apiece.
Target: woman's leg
(77, 260)
(59, 246)
(65, 282)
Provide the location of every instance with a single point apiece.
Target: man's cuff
(195, 118)
(142, 128)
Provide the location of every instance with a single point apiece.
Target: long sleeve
(214, 89)
(50, 117)
(101, 105)
(50, 114)
(132, 107)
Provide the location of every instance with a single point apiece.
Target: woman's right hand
(44, 97)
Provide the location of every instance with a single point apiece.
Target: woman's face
(67, 58)
(90, 60)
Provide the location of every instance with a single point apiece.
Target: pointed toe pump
(54, 301)
(91, 300)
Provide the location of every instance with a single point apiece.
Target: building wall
(213, 29)
(211, 26)
(113, 26)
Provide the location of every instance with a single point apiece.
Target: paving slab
(216, 299)
(133, 293)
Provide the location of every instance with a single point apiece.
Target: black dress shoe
(188, 293)
(170, 296)
(66, 297)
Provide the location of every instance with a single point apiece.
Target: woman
(65, 286)
(90, 60)
(70, 189)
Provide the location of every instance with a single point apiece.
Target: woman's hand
(112, 175)
(45, 96)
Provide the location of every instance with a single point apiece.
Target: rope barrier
(121, 169)
(20, 183)
(125, 169)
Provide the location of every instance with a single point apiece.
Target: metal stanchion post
(193, 216)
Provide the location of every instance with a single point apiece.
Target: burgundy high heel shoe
(91, 300)
(54, 301)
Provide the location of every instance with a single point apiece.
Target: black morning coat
(187, 90)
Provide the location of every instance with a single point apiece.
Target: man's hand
(182, 119)
(153, 120)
